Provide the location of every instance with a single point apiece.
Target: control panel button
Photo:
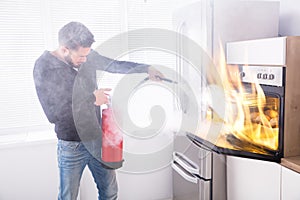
(265, 76)
(271, 76)
(259, 75)
(242, 74)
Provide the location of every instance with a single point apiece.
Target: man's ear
(64, 50)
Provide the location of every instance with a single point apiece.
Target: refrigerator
(199, 173)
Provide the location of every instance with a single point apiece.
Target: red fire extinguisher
(112, 140)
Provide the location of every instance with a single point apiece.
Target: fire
(250, 118)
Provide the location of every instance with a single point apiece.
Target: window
(27, 29)
(30, 27)
(22, 40)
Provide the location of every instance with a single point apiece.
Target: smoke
(185, 92)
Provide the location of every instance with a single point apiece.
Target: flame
(250, 121)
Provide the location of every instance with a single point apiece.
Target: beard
(68, 59)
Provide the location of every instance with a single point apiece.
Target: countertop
(292, 163)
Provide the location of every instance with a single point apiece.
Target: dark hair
(74, 35)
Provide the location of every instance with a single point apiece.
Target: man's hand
(154, 74)
(101, 96)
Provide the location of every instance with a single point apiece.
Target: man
(55, 74)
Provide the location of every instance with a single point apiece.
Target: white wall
(289, 23)
(29, 171)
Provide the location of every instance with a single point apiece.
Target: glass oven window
(259, 130)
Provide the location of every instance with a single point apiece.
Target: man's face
(77, 57)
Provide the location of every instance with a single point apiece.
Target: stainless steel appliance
(198, 174)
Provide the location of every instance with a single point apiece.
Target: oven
(255, 117)
(262, 107)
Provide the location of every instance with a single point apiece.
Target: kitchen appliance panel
(267, 51)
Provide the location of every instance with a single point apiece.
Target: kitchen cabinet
(290, 184)
(249, 179)
(255, 179)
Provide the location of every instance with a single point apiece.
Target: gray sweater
(66, 94)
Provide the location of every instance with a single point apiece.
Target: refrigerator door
(187, 185)
(205, 162)
(195, 21)
(185, 165)
(205, 192)
(194, 28)
(183, 189)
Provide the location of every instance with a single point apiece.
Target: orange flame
(251, 117)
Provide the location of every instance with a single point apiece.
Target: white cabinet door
(290, 184)
(249, 179)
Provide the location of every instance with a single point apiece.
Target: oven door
(262, 134)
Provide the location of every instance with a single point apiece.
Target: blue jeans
(72, 159)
